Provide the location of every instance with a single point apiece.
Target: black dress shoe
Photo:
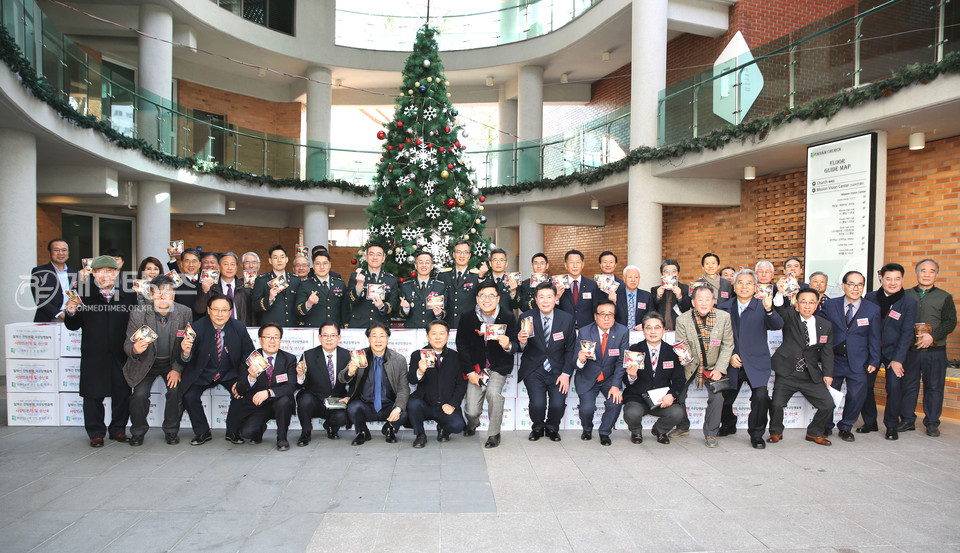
(892, 434)
(604, 440)
(443, 437)
(535, 435)
(846, 435)
(637, 438)
(868, 428)
(201, 439)
(233, 438)
(304, 440)
(757, 443)
(172, 439)
(332, 433)
(136, 441)
(359, 440)
(467, 432)
(391, 434)
(828, 432)
(662, 437)
(586, 435)
(120, 437)
(492, 441)
(553, 435)
(726, 431)
(96, 442)
(906, 427)
(933, 431)
(283, 445)
(420, 441)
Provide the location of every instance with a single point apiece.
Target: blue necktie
(546, 338)
(631, 311)
(377, 383)
(849, 313)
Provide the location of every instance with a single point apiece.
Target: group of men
(191, 331)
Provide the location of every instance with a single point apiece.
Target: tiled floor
(57, 494)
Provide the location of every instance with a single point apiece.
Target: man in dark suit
(320, 296)
(661, 368)
(361, 310)
(632, 301)
(603, 372)
(818, 281)
(549, 357)
(272, 304)
(103, 316)
(267, 393)
(671, 297)
(216, 356)
(50, 282)
(856, 328)
(460, 283)
(722, 289)
(440, 387)
(751, 319)
(188, 268)
(317, 379)
(526, 298)
(417, 292)
(227, 285)
(583, 295)
(792, 269)
(803, 363)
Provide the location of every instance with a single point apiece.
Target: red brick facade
(282, 119)
(557, 240)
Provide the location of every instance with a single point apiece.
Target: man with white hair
(251, 262)
(632, 302)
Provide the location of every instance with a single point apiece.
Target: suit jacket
(104, 327)
(460, 298)
(724, 293)
(474, 352)
(395, 369)
(439, 385)
(47, 292)
(503, 287)
(785, 359)
(643, 304)
(237, 346)
(330, 306)
(719, 347)
(683, 302)
(283, 309)
(137, 366)
(241, 300)
(359, 312)
(419, 315)
(187, 294)
(750, 340)
(669, 373)
(609, 363)
(896, 335)
(282, 383)
(561, 349)
(862, 336)
(317, 378)
(589, 295)
(525, 299)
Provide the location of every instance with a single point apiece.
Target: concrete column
(648, 76)
(531, 238)
(508, 239)
(507, 111)
(319, 100)
(155, 76)
(18, 226)
(529, 122)
(153, 220)
(316, 225)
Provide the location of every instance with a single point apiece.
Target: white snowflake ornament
(445, 226)
(410, 111)
(429, 113)
(433, 211)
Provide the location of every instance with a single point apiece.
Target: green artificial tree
(426, 197)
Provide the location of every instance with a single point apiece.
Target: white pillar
(316, 225)
(531, 238)
(507, 112)
(155, 75)
(508, 238)
(648, 76)
(529, 121)
(18, 226)
(319, 100)
(153, 221)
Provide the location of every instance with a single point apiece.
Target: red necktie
(219, 344)
(603, 351)
(576, 292)
(269, 369)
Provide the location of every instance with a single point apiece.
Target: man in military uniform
(415, 295)
(526, 299)
(461, 284)
(271, 303)
(320, 298)
(363, 308)
(495, 269)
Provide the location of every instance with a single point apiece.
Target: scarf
(886, 302)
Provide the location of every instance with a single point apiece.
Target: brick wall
(217, 237)
(608, 94)
(49, 226)
(557, 240)
(243, 111)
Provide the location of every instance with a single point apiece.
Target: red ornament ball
(390, 147)
(451, 202)
(483, 199)
(353, 261)
(409, 141)
(429, 144)
(457, 144)
(419, 142)
(399, 124)
(441, 149)
(400, 146)
(381, 135)
(400, 280)
(413, 274)
(449, 166)
(410, 191)
(446, 129)
(400, 207)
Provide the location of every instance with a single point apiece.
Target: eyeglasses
(461, 252)
(605, 315)
(853, 285)
(486, 296)
(329, 335)
(225, 310)
(270, 338)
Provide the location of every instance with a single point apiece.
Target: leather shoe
(711, 441)
(586, 435)
(332, 433)
(467, 432)
(828, 432)
(535, 435)
(678, 433)
(492, 441)
(604, 440)
(201, 439)
(726, 431)
(443, 437)
(136, 441)
(846, 435)
(283, 445)
(553, 435)
(933, 431)
(391, 434)
(817, 439)
(360, 439)
(868, 428)
(233, 438)
(661, 437)
(121, 437)
(906, 427)
(172, 439)
(892, 434)
(304, 440)
(636, 438)
(757, 443)
(96, 442)
(774, 438)
(420, 441)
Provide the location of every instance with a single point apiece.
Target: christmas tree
(426, 198)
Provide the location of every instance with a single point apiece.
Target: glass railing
(275, 14)
(855, 46)
(390, 25)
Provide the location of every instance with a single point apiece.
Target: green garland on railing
(42, 90)
(756, 129)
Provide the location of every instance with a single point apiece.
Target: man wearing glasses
(460, 283)
(856, 348)
(417, 294)
(317, 380)
(601, 370)
(267, 393)
(366, 305)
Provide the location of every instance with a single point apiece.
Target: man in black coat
(103, 316)
(671, 298)
(320, 297)
(460, 283)
(317, 379)
(440, 386)
(361, 309)
(267, 392)
(50, 283)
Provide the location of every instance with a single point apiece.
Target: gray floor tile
(89, 532)
(154, 532)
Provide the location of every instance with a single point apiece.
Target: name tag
(558, 336)
(863, 322)
(181, 333)
(641, 305)
(714, 342)
(613, 352)
(281, 378)
(668, 364)
(894, 315)
(724, 294)
(823, 339)
(587, 295)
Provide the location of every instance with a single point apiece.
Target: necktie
(459, 277)
(603, 345)
(576, 293)
(546, 338)
(230, 290)
(377, 383)
(802, 362)
(631, 311)
(333, 377)
(269, 369)
(653, 359)
(849, 316)
(219, 344)
(323, 285)
(423, 287)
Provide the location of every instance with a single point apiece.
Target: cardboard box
(220, 405)
(522, 415)
(70, 342)
(71, 409)
(155, 414)
(33, 375)
(507, 424)
(32, 340)
(69, 377)
(207, 402)
(33, 409)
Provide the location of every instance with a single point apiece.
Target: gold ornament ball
(448, 94)
(477, 221)
(466, 236)
(429, 79)
(446, 83)
(410, 92)
(444, 174)
(389, 252)
(481, 208)
(416, 83)
(461, 202)
(473, 231)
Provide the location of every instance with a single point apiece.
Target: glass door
(91, 234)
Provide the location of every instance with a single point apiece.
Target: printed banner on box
(33, 375)
(33, 409)
(33, 340)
